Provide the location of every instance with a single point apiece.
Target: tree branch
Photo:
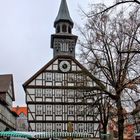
(116, 4)
(129, 52)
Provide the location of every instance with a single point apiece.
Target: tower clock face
(64, 66)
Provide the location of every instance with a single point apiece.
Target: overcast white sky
(25, 30)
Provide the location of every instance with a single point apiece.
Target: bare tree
(105, 111)
(111, 49)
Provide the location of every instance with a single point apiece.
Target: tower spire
(63, 14)
(63, 41)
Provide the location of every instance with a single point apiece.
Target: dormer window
(64, 28)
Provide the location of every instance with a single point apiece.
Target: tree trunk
(104, 137)
(104, 128)
(120, 119)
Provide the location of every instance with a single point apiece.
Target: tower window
(69, 29)
(58, 29)
(64, 28)
(64, 47)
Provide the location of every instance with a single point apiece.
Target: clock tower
(59, 93)
(63, 41)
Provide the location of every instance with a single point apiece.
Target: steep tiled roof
(5, 82)
(20, 110)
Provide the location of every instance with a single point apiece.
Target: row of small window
(63, 28)
(64, 46)
(59, 127)
(59, 109)
(60, 77)
(68, 41)
(64, 83)
(59, 93)
(63, 100)
(68, 84)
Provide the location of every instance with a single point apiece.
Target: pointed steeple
(63, 41)
(63, 14)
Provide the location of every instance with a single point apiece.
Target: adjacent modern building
(21, 120)
(7, 96)
(59, 93)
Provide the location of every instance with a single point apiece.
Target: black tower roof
(63, 14)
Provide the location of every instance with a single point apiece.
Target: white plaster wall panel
(30, 117)
(59, 118)
(32, 126)
(32, 83)
(39, 118)
(30, 91)
(49, 118)
(31, 107)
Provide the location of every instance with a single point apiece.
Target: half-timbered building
(57, 93)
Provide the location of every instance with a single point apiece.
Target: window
(58, 29)
(48, 92)
(71, 93)
(38, 92)
(90, 128)
(48, 76)
(70, 110)
(80, 78)
(90, 112)
(49, 110)
(64, 46)
(64, 28)
(80, 127)
(80, 94)
(71, 78)
(80, 110)
(58, 93)
(59, 127)
(48, 127)
(69, 29)
(58, 77)
(39, 127)
(39, 110)
(58, 110)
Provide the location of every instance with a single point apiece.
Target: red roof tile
(20, 110)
